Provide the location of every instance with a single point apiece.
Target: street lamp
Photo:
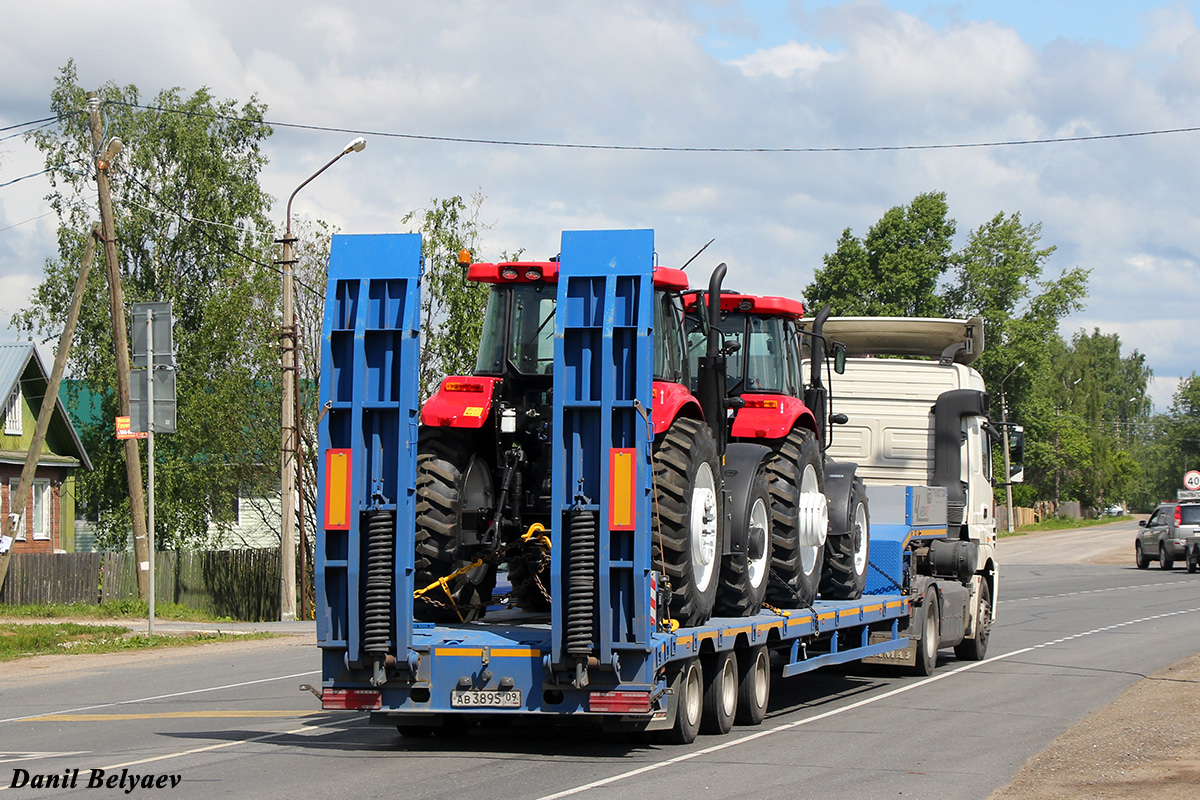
(290, 456)
(1007, 463)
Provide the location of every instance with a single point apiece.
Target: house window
(12, 414)
(40, 522)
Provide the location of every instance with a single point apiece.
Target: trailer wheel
(845, 575)
(754, 686)
(794, 471)
(1164, 559)
(720, 692)
(688, 534)
(1143, 560)
(452, 486)
(689, 703)
(743, 582)
(976, 649)
(927, 647)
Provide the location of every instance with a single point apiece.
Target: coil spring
(581, 586)
(377, 613)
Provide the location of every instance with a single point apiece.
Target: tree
(192, 226)
(895, 270)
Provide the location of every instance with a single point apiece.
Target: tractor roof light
(533, 273)
(509, 273)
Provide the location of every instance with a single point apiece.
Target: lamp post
(290, 456)
(1007, 463)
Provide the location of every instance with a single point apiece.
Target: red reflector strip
(622, 483)
(619, 702)
(337, 490)
(751, 403)
(350, 699)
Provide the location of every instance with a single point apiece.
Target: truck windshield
(527, 341)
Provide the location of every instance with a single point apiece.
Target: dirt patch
(1144, 745)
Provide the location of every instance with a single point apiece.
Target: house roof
(16, 361)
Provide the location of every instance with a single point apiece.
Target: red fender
(460, 402)
(671, 400)
(771, 416)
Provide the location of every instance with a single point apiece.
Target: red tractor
(484, 455)
(820, 521)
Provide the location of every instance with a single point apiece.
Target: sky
(816, 74)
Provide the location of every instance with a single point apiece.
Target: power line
(673, 148)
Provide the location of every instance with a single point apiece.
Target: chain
(886, 577)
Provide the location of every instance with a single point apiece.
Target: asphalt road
(228, 720)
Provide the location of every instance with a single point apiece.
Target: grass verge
(113, 609)
(1064, 524)
(21, 640)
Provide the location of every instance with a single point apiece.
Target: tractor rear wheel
(454, 486)
(797, 482)
(845, 575)
(688, 534)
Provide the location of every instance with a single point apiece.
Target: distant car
(1172, 532)
(1113, 511)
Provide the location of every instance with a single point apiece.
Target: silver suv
(1173, 531)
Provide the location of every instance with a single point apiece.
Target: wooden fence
(239, 584)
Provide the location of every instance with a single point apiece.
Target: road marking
(171, 715)
(1097, 591)
(164, 696)
(6, 758)
(852, 706)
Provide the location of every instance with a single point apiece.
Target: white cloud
(784, 61)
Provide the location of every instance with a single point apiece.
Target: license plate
(486, 698)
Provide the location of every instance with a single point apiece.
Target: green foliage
(895, 270)
(130, 608)
(451, 306)
(1172, 446)
(192, 228)
(21, 640)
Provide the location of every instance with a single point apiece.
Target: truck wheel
(927, 647)
(720, 692)
(976, 649)
(845, 575)
(453, 485)
(1164, 560)
(795, 569)
(689, 703)
(754, 686)
(1143, 561)
(743, 582)
(688, 534)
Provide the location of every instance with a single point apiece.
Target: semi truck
(608, 649)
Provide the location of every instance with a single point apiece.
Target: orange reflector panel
(337, 490)
(622, 484)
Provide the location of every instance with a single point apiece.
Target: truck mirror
(839, 358)
(1016, 454)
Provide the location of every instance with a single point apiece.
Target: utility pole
(17, 499)
(291, 439)
(133, 458)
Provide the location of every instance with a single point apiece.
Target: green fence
(240, 584)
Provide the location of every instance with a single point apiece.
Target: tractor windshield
(758, 364)
(518, 327)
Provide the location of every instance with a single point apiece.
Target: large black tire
(688, 533)
(927, 645)
(688, 681)
(720, 692)
(845, 573)
(1139, 555)
(754, 685)
(452, 485)
(795, 570)
(744, 576)
(976, 649)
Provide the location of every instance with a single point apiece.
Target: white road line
(859, 704)
(1096, 591)
(163, 696)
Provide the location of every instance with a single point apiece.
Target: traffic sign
(1187, 494)
(1191, 479)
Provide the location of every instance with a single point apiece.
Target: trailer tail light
(619, 702)
(350, 699)
(337, 489)
(622, 486)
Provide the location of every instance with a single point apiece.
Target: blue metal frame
(369, 358)
(603, 373)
